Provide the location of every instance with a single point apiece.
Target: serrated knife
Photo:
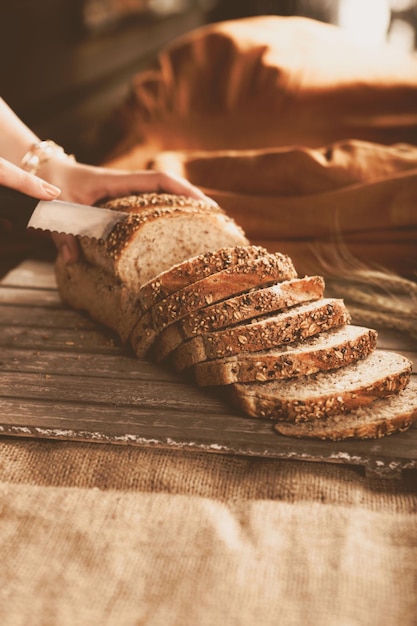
(80, 220)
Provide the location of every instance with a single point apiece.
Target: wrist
(41, 153)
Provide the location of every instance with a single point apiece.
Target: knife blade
(23, 211)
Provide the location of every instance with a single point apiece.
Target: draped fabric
(306, 139)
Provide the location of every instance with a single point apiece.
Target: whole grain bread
(107, 277)
(160, 230)
(320, 395)
(237, 309)
(327, 351)
(384, 416)
(106, 299)
(263, 270)
(270, 331)
(194, 269)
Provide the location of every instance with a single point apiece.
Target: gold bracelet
(40, 152)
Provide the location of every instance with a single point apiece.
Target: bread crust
(263, 333)
(194, 269)
(88, 288)
(302, 359)
(184, 227)
(326, 394)
(142, 202)
(385, 416)
(237, 309)
(267, 269)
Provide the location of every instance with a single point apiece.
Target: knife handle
(16, 207)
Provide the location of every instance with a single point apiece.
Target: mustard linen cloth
(121, 536)
(308, 141)
(263, 82)
(333, 210)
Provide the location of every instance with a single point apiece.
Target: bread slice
(264, 270)
(327, 351)
(385, 416)
(194, 269)
(382, 373)
(270, 331)
(238, 309)
(160, 230)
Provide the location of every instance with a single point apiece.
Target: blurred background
(65, 64)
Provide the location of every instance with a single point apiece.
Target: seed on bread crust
(133, 202)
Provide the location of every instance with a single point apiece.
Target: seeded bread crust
(262, 333)
(192, 270)
(320, 395)
(238, 309)
(143, 209)
(327, 351)
(383, 417)
(266, 269)
(178, 277)
(137, 203)
(146, 208)
(131, 251)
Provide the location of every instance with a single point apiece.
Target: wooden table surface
(64, 377)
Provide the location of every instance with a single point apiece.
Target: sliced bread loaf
(263, 270)
(238, 309)
(383, 417)
(327, 351)
(270, 331)
(382, 373)
(106, 279)
(160, 230)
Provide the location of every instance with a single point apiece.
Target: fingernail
(211, 202)
(207, 199)
(51, 190)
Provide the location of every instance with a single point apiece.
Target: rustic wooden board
(63, 377)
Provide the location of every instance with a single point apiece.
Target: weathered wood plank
(162, 394)
(45, 298)
(124, 366)
(72, 339)
(41, 317)
(31, 273)
(218, 432)
(63, 377)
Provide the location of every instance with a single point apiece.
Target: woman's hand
(57, 174)
(14, 177)
(86, 184)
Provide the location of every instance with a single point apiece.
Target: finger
(68, 247)
(174, 184)
(149, 181)
(12, 176)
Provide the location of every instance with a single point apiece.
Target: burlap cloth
(105, 535)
